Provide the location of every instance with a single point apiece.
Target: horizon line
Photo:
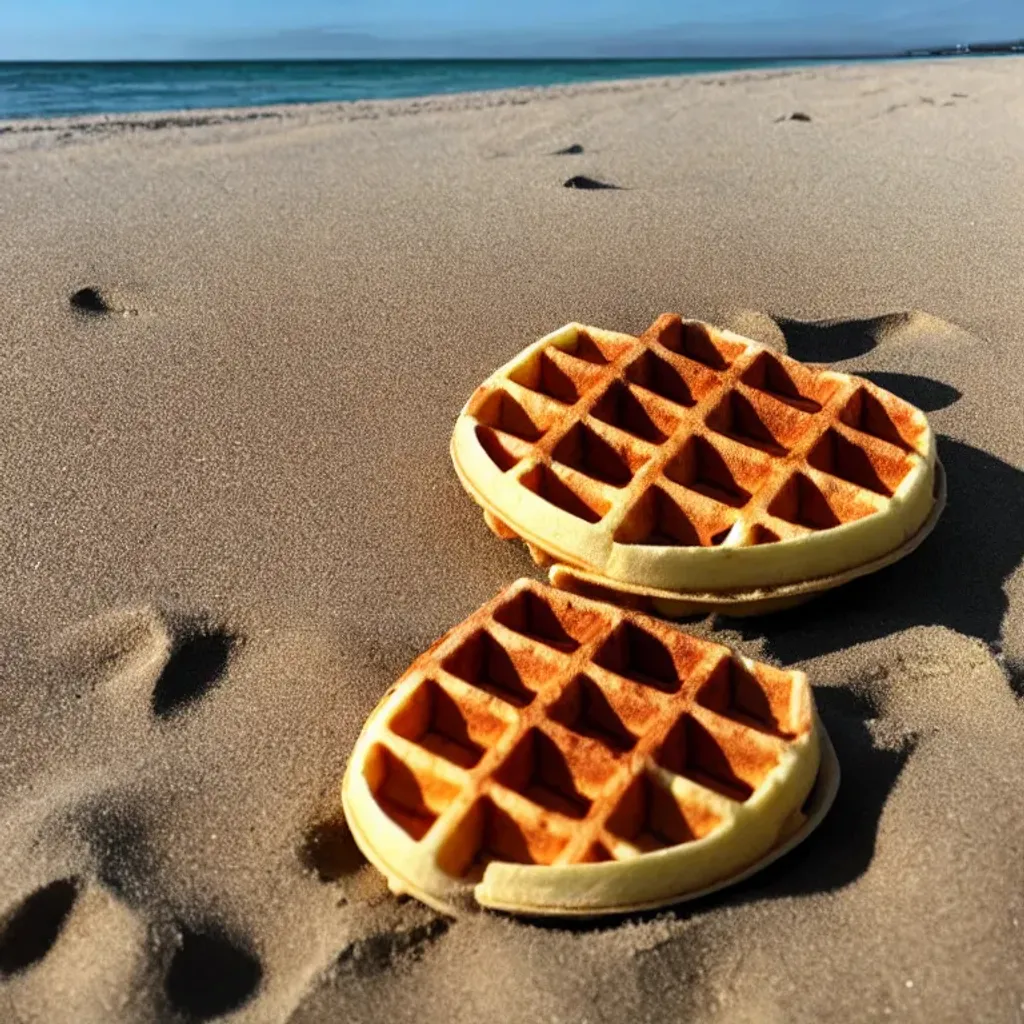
(941, 50)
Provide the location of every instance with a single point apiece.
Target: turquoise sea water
(62, 89)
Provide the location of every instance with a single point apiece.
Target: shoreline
(371, 109)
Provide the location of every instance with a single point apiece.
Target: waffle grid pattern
(687, 437)
(552, 730)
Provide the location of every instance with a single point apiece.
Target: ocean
(56, 89)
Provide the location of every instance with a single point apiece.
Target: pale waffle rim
(756, 599)
(796, 826)
(813, 811)
(549, 545)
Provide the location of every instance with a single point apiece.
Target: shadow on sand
(838, 852)
(955, 579)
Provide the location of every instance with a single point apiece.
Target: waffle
(738, 603)
(692, 460)
(553, 754)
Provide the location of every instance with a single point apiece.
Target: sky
(207, 29)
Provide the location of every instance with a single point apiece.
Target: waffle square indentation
(734, 768)
(542, 373)
(635, 653)
(619, 407)
(658, 518)
(700, 467)
(770, 429)
(513, 675)
(561, 626)
(694, 341)
(543, 481)
(542, 772)
(460, 732)
(504, 450)
(893, 422)
(599, 351)
(413, 799)
(489, 832)
(800, 501)
(614, 716)
(762, 535)
(498, 409)
(584, 450)
(872, 469)
(651, 372)
(789, 382)
(649, 817)
(760, 698)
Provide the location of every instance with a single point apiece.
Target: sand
(229, 523)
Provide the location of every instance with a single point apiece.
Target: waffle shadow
(927, 394)
(837, 853)
(329, 851)
(840, 850)
(955, 579)
(206, 969)
(815, 341)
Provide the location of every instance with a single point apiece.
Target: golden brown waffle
(555, 754)
(692, 460)
(738, 603)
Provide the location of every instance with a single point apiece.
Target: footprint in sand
(197, 662)
(210, 974)
(180, 659)
(95, 301)
(582, 181)
(405, 938)
(830, 341)
(30, 930)
(97, 891)
(176, 663)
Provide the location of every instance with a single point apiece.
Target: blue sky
(112, 29)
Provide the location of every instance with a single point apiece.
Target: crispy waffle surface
(554, 754)
(691, 459)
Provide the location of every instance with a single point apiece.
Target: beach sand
(230, 522)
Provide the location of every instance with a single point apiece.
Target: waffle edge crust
(692, 459)
(554, 754)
